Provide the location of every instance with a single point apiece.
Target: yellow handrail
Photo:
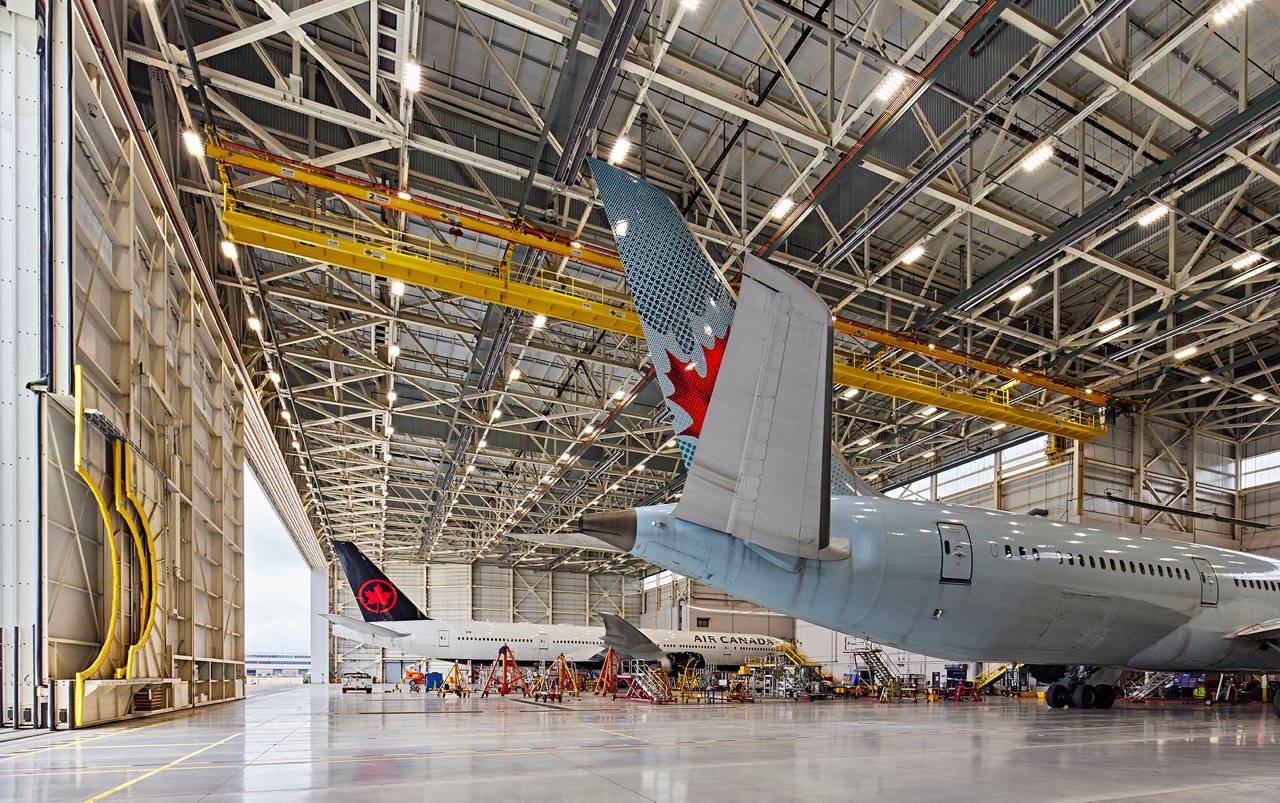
(149, 568)
(119, 500)
(109, 534)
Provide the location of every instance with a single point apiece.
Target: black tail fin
(378, 597)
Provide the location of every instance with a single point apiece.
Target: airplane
(392, 620)
(769, 514)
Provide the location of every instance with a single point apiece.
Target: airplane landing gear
(1074, 692)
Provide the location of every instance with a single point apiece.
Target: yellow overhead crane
(267, 222)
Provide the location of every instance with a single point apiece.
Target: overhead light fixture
(391, 395)
(588, 429)
(929, 454)
(1228, 10)
(393, 351)
(496, 414)
(471, 468)
(890, 84)
(864, 442)
(564, 457)
(229, 250)
(1037, 157)
(640, 466)
(1258, 397)
(274, 376)
(1153, 215)
(928, 411)
(872, 477)
(286, 415)
(849, 393)
(253, 323)
(999, 425)
(782, 208)
(1204, 380)
(411, 76)
(1186, 352)
(669, 444)
(404, 195)
(297, 444)
(539, 321)
(1107, 326)
(515, 375)
(390, 430)
(483, 443)
(1247, 260)
(397, 288)
(912, 254)
(546, 478)
(621, 147)
(618, 395)
(689, 5)
(193, 142)
(1021, 293)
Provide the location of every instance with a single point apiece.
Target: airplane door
(957, 553)
(444, 639)
(1208, 582)
(544, 643)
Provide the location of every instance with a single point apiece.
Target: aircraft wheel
(1104, 696)
(1056, 696)
(1085, 696)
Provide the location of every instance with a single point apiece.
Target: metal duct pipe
(1071, 44)
(931, 170)
(612, 49)
(1189, 325)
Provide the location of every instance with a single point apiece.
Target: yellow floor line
(72, 743)
(158, 770)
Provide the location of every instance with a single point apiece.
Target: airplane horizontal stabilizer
(363, 628)
(567, 539)
(1263, 631)
(764, 458)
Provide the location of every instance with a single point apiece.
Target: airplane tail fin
(379, 598)
(685, 305)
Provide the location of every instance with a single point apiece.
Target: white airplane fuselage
(971, 584)
(452, 640)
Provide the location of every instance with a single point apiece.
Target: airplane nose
(615, 527)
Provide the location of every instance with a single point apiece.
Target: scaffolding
(642, 682)
(505, 676)
(455, 683)
(556, 681)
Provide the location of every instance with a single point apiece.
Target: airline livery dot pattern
(684, 303)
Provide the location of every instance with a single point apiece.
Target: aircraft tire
(1056, 696)
(1085, 696)
(1104, 696)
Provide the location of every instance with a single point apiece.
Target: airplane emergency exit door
(957, 553)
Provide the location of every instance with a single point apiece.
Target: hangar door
(957, 553)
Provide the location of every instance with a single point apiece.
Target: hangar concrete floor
(312, 743)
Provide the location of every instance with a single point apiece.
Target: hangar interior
(350, 246)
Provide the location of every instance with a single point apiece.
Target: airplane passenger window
(1091, 566)
(1132, 570)
(1142, 569)
(1236, 580)
(946, 547)
(1035, 553)
(1151, 569)
(1081, 559)
(1008, 551)
(1113, 564)
(1122, 566)
(1022, 553)
(1071, 559)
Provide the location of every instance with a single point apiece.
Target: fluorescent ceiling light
(229, 249)
(1107, 326)
(496, 414)
(391, 395)
(618, 395)
(1247, 260)
(539, 321)
(275, 377)
(872, 477)
(913, 253)
(621, 147)
(782, 208)
(397, 288)
(483, 443)
(1228, 11)
(411, 76)
(928, 411)
(890, 85)
(1205, 379)
(864, 442)
(254, 323)
(193, 142)
(515, 375)
(1037, 157)
(849, 393)
(1153, 215)
(404, 195)
(1258, 397)
(1185, 352)
(999, 425)
(929, 454)
(1021, 293)
(393, 351)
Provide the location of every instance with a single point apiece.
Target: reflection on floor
(313, 743)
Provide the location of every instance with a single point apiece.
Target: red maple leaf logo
(692, 392)
(377, 597)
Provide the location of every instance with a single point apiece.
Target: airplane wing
(1263, 631)
(764, 457)
(627, 639)
(363, 628)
